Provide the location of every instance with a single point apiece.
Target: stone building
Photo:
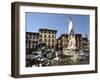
(80, 41)
(63, 41)
(31, 40)
(48, 37)
(85, 45)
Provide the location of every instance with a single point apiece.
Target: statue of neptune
(70, 26)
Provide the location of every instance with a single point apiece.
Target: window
(49, 40)
(30, 37)
(44, 35)
(40, 39)
(33, 37)
(33, 46)
(40, 35)
(52, 40)
(49, 36)
(53, 36)
(36, 37)
(33, 41)
(45, 40)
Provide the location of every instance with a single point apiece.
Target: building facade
(62, 41)
(45, 36)
(48, 37)
(32, 40)
(85, 45)
(80, 41)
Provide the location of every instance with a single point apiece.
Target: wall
(5, 40)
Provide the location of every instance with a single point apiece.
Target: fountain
(72, 51)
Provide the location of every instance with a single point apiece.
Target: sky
(35, 21)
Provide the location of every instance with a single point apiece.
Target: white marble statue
(70, 25)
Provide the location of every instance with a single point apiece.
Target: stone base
(75, 54)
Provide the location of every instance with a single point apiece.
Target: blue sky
(58, 22)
